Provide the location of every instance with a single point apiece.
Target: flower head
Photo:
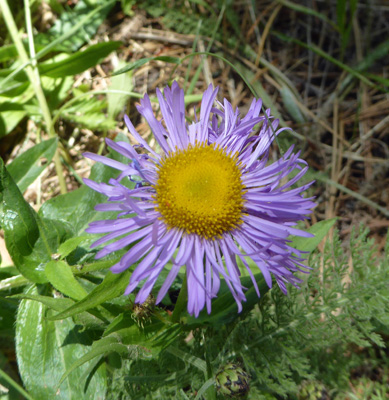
(209, 198)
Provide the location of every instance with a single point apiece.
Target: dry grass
(342, 122)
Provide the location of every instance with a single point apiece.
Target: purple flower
(210, 198)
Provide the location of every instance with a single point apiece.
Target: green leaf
(105, 346)
(61, 277)
(88, 320)
(138, 63)
(56, 90)
(290, 103)
(25, 168)
(123, 336)
(320, 230)
(79, 61)
(7, 320)
(13, 88)
(57, 304)
(46, 349)
(20, 227)
(77, 207)
(8, 52)
(112, 286)
(155, 334)
(80, 22)
(30, 240)
(95, 266)
(189, 358)
(94, 121)
(10, 115)
(117, 101)
(225, 309)
(70, 245)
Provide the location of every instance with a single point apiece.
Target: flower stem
(15, 385)
(33, 75)
(181, 301)
(211, 391)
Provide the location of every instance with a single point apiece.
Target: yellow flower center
(200, 190)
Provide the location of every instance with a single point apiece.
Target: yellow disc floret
(200, 190)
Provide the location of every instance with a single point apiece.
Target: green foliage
(78, 337)
(89, 15)
(30, 240)
(181, 18)
(310, 336)
(59, 45)
(30, 164)
(45, 349)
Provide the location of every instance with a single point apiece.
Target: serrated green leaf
(320, 230)
(46, 349)
(78, 62)
(61, 277)
(112, 286)
(25, 168)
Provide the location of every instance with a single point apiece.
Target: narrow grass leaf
(188, 358)
(326, 56)
(207, 384)
(290, 103)
(78, 62)
(112, 286)
(138, 63)
(308, 11)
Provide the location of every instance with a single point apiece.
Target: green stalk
(211, 391)
(15, 385)
(33, 75)
(181, 301)
(57, 41)
(198, 71)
